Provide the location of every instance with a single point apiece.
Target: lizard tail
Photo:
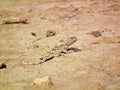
(34, 63)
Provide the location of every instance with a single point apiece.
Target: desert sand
(96, 66)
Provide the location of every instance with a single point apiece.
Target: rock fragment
(3, 65)
(33, 34)
(96, 33)
(14, 21)
(50, 33)
(42, 82)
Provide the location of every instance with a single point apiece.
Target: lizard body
(57, 50)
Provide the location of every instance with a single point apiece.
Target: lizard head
(71, 40)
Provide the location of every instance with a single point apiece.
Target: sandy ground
(95, 67)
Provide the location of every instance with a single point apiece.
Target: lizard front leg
(66, 50)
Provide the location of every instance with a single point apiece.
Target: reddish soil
(95, 67)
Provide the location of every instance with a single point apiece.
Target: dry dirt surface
(96, 24)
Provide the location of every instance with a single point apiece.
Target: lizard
(59, 49)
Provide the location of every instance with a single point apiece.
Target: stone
(50, 33)
(96, 33)
(42, 82)
(33, 34)
(3, 65)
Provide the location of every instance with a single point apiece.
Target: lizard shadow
(74, 49)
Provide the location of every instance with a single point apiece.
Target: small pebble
(96, 33)
(3, 65)
(33, 34)
(50, 33)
